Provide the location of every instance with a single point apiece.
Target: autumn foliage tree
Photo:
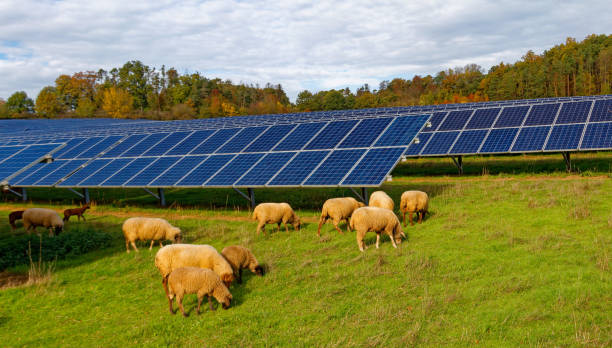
(48, 103)
(117, 102)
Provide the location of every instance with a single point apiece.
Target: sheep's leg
(240, 276)
(134, 246)
(278, 227)
(210, 304)
(160, 244)
(83, 216)
(392, 239)
(377, 240)
(404, 218)
(321, 222)
(420, 216)
(170, 304)
(410, 218)
(261, 226)
(151, 247)
(286, 227)
(51, 232)
(360, 243)
(336, 226)
(348, 224)
(127, 246)
(179, 299)
(200, 298)
(165, 285)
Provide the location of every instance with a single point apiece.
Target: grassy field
(517, 256)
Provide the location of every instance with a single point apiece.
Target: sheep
(34, 217)
(338, 209)
(175, 256)
(76, 211)
(14, 216)
(240, 257)
(374, 219)
(275, 213)
(200, 281)
(155, 229)
(414, 202)
(382, 200)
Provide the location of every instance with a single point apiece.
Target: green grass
(502, 260)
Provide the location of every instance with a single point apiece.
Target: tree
(4, 113)
(48, 103)
(19, 103)
(117, 102)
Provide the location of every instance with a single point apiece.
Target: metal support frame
(568, 161)
(86, 195)
(10, 190)
(76, 192)
(24, 194)
(458, 160)
(363, 196)
(249, 196)
(161, 196)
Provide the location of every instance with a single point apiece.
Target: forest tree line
(139, 91)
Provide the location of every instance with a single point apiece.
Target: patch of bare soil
(10, 280)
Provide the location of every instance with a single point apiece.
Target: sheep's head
(227, 279)
(259, 270)
(227, 301)
(296, 223)
(58, 229)
(176, 235)
(360, 205)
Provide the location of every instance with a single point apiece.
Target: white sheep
(414, 202)
(275, 213)
(338, 209)
(200, 281)
(175, 256)
(378, 220)
(239, 258)
(46, 218)
(382, 200)
(154, 229)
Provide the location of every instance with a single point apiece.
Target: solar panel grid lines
(268, 141)
(151, 172)
(588, 118)
(597, 136)
(96, 149)
(55, 176)
(521, 126)
(530, 139)
(215, 141)
(144, 145)
(25, 158)
(602, 111)
(331, 135)
(234, 170)
(242, 139)
(75, 151)
(564, 137)
(126, 173)
(86, 170)
(511, 116)
(298, 139)
(554, 121)
(96, 178)
(334, 168)
(298, 168)
(167, 144)
(198, 176)
(456, 120)
(178, 171)
(574, 112)
(367, 132)
(264, 170)
(499, 140)
(373, 167)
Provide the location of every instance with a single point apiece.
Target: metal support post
(364, 194)
(459, 163)
(86, 195)
(162, 197)
(251, 193)
(24, 194)
(568, 161)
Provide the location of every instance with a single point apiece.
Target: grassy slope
(501, 261)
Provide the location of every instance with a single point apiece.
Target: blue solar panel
(214, 141)
(205, 170)
(499, 140)
(455, 120)
(169, 142)
(39, 171)
(300, 136)
(80, 148)
(435, 121)
(511, 116)
(402, 131)
(298, 169)
(531, 139)
(440, 143)
(366, 132)
(270, 138)
(8, 151)
(602, 111)
(565, 137)
(414, 148)
(331, 135)
(127, 172)
(597, 136)
(242, 139)
(542, 114)
(70, 145)
(374, 167)
(575, 112)
(26, 173)
(234, 170)
(123, 146)
(24, 158)
(151, 172)
(483, 118)
(335, 167)
(261, 173)
(190, 142)
(102, 174)
(178, 170)
(61, 172)
(144, 145)
(99, 147)
(91, 168)
(469, 141)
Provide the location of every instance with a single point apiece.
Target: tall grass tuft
(39, 272)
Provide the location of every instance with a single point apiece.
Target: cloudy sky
(300, 44)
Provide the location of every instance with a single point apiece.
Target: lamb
(240, 257)
(14, 216)
(374, 219)
(414, 202)
(275, 213)
(76, 211)
(200, 281)
(155, 229)
(382, 200)
(175, 256)
(34, 217)
(338, 209)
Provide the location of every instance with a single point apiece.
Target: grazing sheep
(382, 200)
(14, 216)
(155, 229)
(175, 256)
(275, 213)
(374, 219)
(200, 281)
(414, 202)
(46, 218)
(76, 211)
(240, 257)
(338, 209)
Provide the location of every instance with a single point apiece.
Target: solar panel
(456, 120)
(263, 171)
(76, 150)
(101, 175)
(511, 117)
(597, 136)
(127, 172)
(542, 114)
(469, 141)
(214, 141)
(270, 138)
(483, 118)
(602, 111)
(499, 140)
(123, 146)
(331, 135)
(234, 170)
(144, 177)
(334, 168)
(416, 148)
(241, 140)
(402, 131)
(374, 167)
(168, 143)
(59, 173)
(205, 170)
(190, 142)
(91, 168)
(565, 137)
(144, 145)
(99, 147)
(366, 132)
(531, 139)
(178, 170)
(37, 172)
(440, 143)
(574, 112)
(24, 158)
(298, 169)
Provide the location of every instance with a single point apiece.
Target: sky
(314, 45)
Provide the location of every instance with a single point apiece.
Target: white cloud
(299, 44)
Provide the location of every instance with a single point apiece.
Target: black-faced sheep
(154, 229)
(382, 200)
(175, 256)
(275, 213)
(239, 258)
(14, 216)
(414, 202)
(200, 281)
(338, 209)
(378, 220)
(46, 218)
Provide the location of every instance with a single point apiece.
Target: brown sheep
(414, 202)
(378, 220)
(275, 213)
(14, 216)
(239, 258)
(200, 281)
(338, 209)
(382, 200)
